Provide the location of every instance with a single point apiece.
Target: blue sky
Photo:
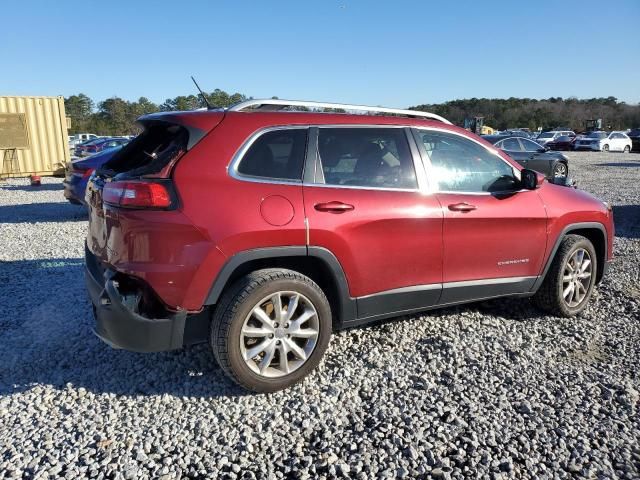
(394, 53)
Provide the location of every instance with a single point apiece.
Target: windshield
(546, 135)
(597, 135)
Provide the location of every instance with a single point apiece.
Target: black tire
(627, 149)
(605, 148)
(549, 296)
(560, 169)
(235, 306)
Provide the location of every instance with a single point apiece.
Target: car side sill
(402, 301)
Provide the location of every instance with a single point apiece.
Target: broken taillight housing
(139, 194)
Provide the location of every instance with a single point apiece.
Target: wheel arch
(317, 263)
(595, 232)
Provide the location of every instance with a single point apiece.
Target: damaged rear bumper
(120, 326)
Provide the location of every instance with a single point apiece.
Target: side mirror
(542, 149)
(530, 180)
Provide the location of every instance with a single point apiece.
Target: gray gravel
(489, 390)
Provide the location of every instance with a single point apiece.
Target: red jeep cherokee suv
(261, 228)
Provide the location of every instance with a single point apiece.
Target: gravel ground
(489, 390)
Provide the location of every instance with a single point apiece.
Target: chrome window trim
(232, 168)
(236, 159)
(493, 151)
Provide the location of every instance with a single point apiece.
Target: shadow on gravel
(620, 164)
(28, 188)
(42, 212)
(46, 338)
(627, 220)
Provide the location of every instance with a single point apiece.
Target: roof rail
(278, 104)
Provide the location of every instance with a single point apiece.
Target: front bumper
(121, 327)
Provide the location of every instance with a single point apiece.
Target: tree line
(540, 114)
(116, 116)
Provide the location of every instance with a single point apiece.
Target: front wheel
(569, 282)
(605, 148)
(627, 149)
(271, 328)
(560, 170)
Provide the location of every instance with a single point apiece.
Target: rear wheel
(569, 283)
(271, 329)
(627, 149)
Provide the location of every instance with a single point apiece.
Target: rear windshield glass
(546, 135)
(160, 145)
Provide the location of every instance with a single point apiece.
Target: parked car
(79, 138)
(77, 173)
(634, 135)
(515, 133)
(81, 147)
(605, 142)
(561, 143)
(546, 137)
(263, 231)
(532, 155)
(102, 144)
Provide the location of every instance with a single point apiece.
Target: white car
(604, 142)
(547, 137)
(79, 138)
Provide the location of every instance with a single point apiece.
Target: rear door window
(374, 157)
(277, 154)
(511, 145)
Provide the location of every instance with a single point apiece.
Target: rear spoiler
(198, 123)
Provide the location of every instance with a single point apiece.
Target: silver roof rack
(278, 104)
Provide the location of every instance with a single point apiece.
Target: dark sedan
(100, 144)
(561, 143)
(78, 172)
(532, 155)
(634, 135)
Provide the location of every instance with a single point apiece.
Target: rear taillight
(137, 194)
(87, 173)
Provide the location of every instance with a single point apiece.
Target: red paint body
(390, 240)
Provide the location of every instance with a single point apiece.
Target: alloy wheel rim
(561, 170)
(279, 334)
(576, 277)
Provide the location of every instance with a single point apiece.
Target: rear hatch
(138, 177)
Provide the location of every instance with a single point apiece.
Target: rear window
(157, 148)
(278, 154)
